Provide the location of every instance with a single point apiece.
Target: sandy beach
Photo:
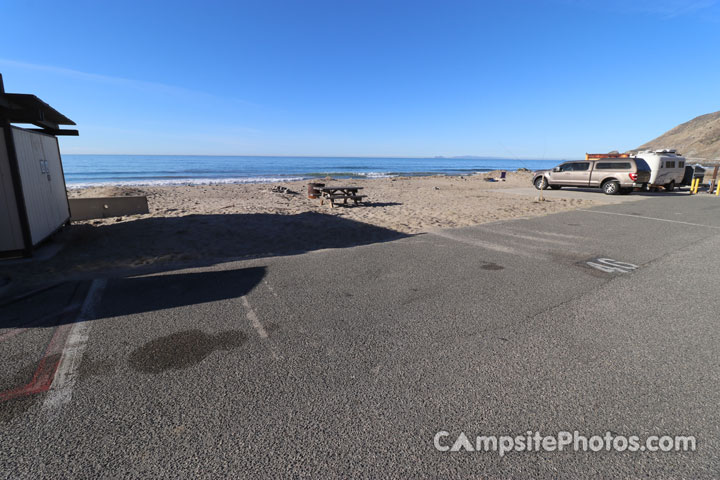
(408, 205)
(211, 223)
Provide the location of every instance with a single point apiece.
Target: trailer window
(642, 165)
(681, 164)
(613, 166)
(670, 164)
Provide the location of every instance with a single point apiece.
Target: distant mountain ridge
(699, 138)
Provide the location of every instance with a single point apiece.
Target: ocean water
(88, 170)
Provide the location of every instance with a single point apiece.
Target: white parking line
(254, 320)
(487, 245)
(528, 237)
(60, 391)
(649, 218)
(554, 234)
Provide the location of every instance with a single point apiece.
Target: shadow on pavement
(125, 296)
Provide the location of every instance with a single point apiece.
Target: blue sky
(530, 79)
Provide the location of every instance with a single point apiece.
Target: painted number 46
(609, 265)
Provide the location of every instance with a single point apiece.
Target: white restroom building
(33, 196)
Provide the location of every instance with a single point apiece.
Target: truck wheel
(670, 186)
(611, 187)
(539, 183)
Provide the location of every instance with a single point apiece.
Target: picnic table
(336, 193)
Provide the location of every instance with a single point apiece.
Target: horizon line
(438, 157)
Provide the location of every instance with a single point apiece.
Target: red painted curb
(44, 374)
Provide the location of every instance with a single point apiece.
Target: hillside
(698, 138)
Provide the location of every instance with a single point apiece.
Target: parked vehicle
(689, 175)
(692, 172)
(667, 168)
(613, 174)
(699, 172)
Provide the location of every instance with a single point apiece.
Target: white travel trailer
(667, 168)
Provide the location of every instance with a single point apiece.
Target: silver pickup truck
(613, 175)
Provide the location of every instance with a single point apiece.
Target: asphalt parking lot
(346, 362)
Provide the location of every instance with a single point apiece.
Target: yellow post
(697, 185)
(717, 190)
(694, 185)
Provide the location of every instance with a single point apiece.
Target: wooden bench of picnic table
(333, 194)
(344, 198)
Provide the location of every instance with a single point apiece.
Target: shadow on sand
(221, 236)
(164, 244)
(196, 240)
